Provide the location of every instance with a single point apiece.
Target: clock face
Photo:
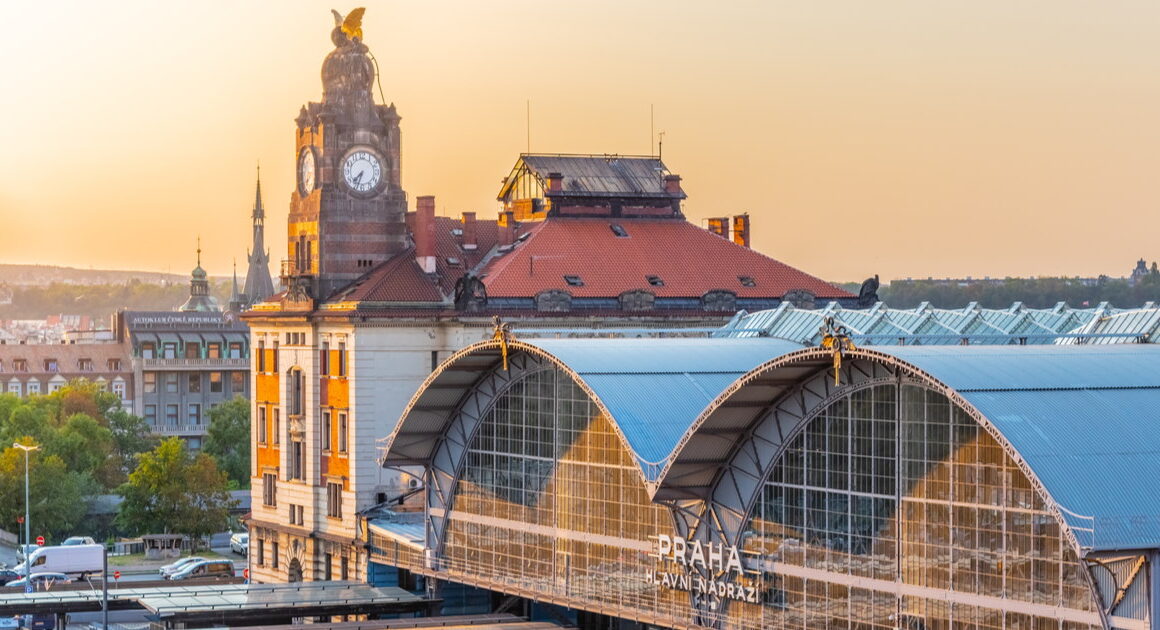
(362, 171)
(306, 171)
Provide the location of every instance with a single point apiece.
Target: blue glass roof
(656, 388)
(1086, 419)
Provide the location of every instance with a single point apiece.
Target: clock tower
(348, 209)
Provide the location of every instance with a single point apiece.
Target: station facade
(754, 483)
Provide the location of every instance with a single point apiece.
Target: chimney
(673, 184)
(425, 232)
(555, 182)
(719, 226)
(507, 228)
(470, 240)
(741, 229)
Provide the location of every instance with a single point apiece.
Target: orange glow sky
(907, 138)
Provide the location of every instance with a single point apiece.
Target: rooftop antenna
(660, 145)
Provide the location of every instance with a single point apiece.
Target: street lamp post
(27, 521)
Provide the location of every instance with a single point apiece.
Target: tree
(172, 491)
(84, 446)
(228, 439)
(131, 435)
(57, 494)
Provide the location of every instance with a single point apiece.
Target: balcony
(178, 429)
(195, 364)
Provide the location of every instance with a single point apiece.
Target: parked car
(22, 551)
(6, 576)
(172, 568)
(240, 543)
(78, 560)
(43, 581)
(205, 569)
(78, 540)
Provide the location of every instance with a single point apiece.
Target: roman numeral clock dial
(362, 171)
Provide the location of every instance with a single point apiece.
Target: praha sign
(709, 558)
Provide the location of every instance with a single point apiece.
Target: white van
(78, 560)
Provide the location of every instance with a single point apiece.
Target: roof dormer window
(747, 281)
(618, 230)
(574, 281)
(656, 281)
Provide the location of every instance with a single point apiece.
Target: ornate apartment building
(376, 296)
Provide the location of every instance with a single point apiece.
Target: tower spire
(199, 250)
(259, 211)
(259, 285)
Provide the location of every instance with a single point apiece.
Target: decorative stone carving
(719, 300)
(637, 300)
(800, 298)
(553, 301)
(470, 293)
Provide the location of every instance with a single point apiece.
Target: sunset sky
(905, 138)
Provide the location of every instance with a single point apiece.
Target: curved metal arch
(737, 485)
(445, 463)
(512, 345)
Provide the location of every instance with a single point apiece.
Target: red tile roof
(689, 261)
(398, 280)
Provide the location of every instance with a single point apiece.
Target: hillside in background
(44, 275)
(100, 301)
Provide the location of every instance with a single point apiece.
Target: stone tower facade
(347, 213)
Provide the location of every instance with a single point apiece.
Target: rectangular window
(297, 393)
(326, 430)
(192, 350)
(270, 490)
(261, 355)
(50, 365)
(213, 350)
(171, 414)
(150, 382)
(238, 383)
(329, 567)
(297, 452)
(119, 390)
(275, 353)
(277, 426)
(342, 358)
(85, 365)
(334, 500)
(275, 554)
(151, 414)
(195, 383)
(171, 383)
(20, 365)
(114, 365)
(261, 552)
(169, 351)
(345, 567)
(33, 387)
(262, 428)
(148, 350)
(215, 382)
(342, 433)
(235, 350)
(14, 388)
(324, 359)
(194, 413)
(434, 359)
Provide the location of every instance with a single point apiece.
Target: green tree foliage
(1032, 292)
(58, 495)
(228, 439)
(131, 436)
(172, 491)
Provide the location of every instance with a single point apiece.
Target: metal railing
(223, 363)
